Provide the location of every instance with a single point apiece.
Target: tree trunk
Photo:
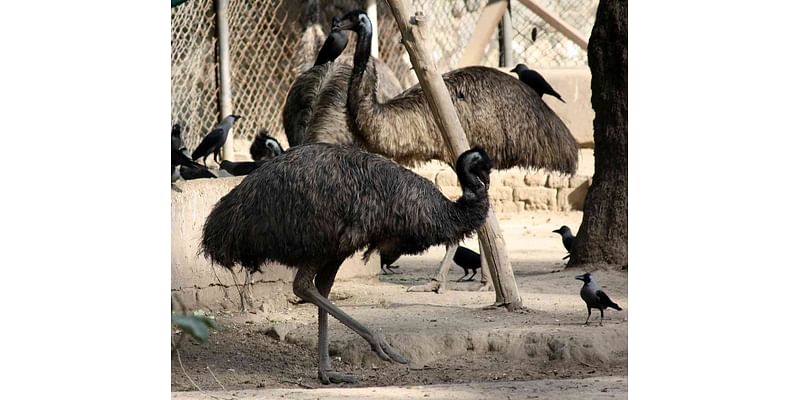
(602, 240)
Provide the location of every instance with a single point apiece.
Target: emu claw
(382, 348)
(328, 377)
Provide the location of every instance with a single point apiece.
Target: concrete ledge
(196, 281)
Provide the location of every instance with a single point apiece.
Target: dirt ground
(450, 340)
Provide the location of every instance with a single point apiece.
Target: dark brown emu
(315, 205)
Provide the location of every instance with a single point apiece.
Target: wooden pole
(506, 40)
(225, 99)
(412, 30)
(560, 25)
(372, 13)
(487, 22)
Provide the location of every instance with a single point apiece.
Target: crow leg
(324, 282)
(472, 278)
(217, 156)
(587, 317)
(305, 288)
(462, 278)
(384, 271)
(204, 161)
(601, 317)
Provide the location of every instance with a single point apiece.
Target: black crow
(536, 81)
(566, 239)
(468, 260)
(213, 142)
(265, 147)
(594, 297)
(334, 45)
(240, 168)
(195, 171)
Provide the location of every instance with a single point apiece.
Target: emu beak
(342, 25)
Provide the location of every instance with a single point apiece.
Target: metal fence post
(225, 100)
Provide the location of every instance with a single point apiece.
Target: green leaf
(196, 327)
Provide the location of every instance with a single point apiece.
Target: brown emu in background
(297, 209)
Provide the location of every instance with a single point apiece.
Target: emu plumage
(315, 205)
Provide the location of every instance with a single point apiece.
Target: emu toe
(328, 377)
(382, 348)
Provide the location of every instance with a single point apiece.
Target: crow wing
(209, 144)
(606, 301)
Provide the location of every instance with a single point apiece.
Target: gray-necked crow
(386, 263)
(536, 81)
(594, 297)
(334, 45)
(240, 168)
(213, 142)
(566, 239)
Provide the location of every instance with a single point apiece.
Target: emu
(265, 147)
(498, 112)
(316, 205)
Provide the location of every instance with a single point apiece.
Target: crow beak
(556, 231)
(579, 277)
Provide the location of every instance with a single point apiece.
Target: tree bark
(602, 240)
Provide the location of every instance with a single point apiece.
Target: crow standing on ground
(594, 297)
(536, 81)
(213, 142)
(468, 260)
(566, 239)
(334, 45)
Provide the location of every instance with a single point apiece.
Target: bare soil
(449, 338)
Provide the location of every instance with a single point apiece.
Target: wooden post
(558, 23)
(506, 40)
(487, 22)
(225, 99)
(372, 13)
(412, 30)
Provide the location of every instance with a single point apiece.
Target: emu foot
(327, 377)
(386, 352)
(486, 287)
(432, 286)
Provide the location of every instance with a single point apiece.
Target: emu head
(586, 278)
(353, 21)
(274, 147)
(519, 68)
(473, 168)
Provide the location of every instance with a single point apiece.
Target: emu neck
(363, 48)
(362, 94)
(470, 210)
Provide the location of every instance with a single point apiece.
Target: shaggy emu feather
(316, 205)
(498, 112)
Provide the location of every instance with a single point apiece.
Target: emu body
(315, 205)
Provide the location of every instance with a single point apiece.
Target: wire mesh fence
(272, 41)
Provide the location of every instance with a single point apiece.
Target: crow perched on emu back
(315, 205)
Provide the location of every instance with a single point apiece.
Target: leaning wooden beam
(412, 30)
(558, 23)
(487, 22)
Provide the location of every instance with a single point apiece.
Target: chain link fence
(272, 41)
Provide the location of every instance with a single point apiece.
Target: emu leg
(324, 283)
(305, 289)
(587, 317)
(437, 284)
